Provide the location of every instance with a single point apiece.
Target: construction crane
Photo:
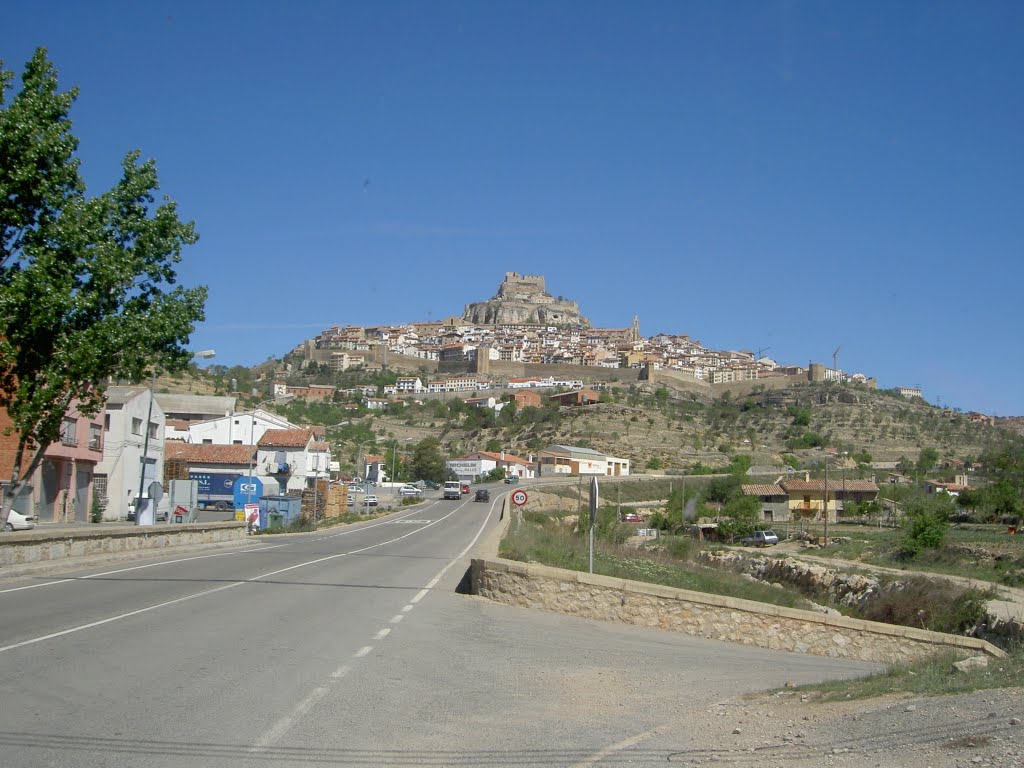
(835, 359)
(761, 351)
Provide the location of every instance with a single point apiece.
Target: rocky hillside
(653, 428)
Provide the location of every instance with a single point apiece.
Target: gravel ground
(792, 730)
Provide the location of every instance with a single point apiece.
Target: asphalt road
(345, 647)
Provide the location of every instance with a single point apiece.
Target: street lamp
(394, 462)
(139, 504)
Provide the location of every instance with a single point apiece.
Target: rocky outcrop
(523, 300)
(811, 579)
(1002, 624)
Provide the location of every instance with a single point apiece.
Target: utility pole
(826, 498)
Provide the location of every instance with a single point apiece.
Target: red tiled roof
(320, 445)
(762, 490)
(285, 438)
(204, 453)
(833, 485)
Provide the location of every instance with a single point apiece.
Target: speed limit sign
(519, 498)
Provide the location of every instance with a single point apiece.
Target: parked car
(370, 500)
(160, 516)
(431, 485)
(760, 539)
(465, 488)
(19, 522)
(482, 495)
(511, 479)
(631, 517)
(409, 490)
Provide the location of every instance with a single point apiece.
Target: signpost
(519, 498)
(593, 517)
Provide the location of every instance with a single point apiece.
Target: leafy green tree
(1004, 465)
(722, 489)
(905, 466)
(654, 463)
(926, 524)
(739, 464)
(87, 284)
(739, 517)
(926, 460)
(428, 462)
(801, 416)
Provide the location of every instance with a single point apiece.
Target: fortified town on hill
(523, 327)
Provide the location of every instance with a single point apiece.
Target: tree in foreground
(87, 284)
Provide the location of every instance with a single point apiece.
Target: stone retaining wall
(711, 616)
(50, 546)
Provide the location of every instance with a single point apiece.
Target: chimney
(807, 475)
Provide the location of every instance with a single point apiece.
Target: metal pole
(316, 494)
(591, 547)
(682, 507)
(252, 452)
(145, 452)
(394, 463)
(826, 498)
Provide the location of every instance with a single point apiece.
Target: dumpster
(287, 508)
(274, 520)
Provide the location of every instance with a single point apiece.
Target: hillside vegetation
(656, 430)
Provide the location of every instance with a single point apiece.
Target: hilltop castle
(523, 300)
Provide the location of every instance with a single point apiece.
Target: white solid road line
(110, 619)
(203, 557)
(73, 579)
(119, 617)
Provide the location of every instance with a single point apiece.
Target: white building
(117, 476)
(287, 455)
(236, 429)
(480, 463)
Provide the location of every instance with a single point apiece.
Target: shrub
(96, 513)
(926, 525)
(928, 604)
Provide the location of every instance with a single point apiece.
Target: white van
(452, 490)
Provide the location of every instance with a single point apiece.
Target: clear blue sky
(790, 175)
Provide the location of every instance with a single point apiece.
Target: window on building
(68, 428)
(153, 430)
(207, 441)
(137, 426)
(95, 437)
(106, 422)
